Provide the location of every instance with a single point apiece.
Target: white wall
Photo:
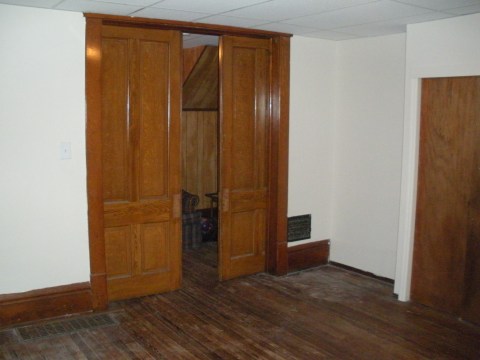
(43, 210)
(312, 81)
(442, 48)
(367, 152)
(346, 123)
(43, 232)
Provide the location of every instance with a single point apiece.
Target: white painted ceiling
(325, 19)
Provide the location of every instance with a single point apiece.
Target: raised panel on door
(141, 160)
(119, 251)
(446, 270)
(245, 98)
(115, 147)
(153, 100)
(154, 246)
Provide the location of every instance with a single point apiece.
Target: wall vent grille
(64, 327)
(299, 227)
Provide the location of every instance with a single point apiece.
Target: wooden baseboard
(362, 272)
(45, 303)
(308, 255)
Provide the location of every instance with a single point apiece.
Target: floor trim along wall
(308, 255)
(365, 273)
(45, 303)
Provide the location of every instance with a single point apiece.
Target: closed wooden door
(141, 160)
(446, 263)
(244, 154)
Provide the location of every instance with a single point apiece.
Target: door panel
(245, 94)
(243, 234)
(114, 130)
(119, 257)
(154, 239)
(141, 160)
(445, 265)
(153, 159)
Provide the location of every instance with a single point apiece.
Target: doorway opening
(134, 195)
(200, 165)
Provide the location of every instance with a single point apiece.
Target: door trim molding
(408, 191)
(207, 29)
(93, 88)
(276, 247)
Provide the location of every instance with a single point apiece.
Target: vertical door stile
(141, 160)
(244, 112)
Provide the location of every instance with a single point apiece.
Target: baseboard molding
(45, 303)
(362, 272)
(308, 255)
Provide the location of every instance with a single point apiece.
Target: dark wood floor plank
(321, 327)
(324, 313)
(230, 318)
(452, 338)
(375, 314)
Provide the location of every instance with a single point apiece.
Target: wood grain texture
(244, 154)
(198, 28)
(93, 80)
(200, 89)
(446, 270)
(115, 83)
(190, 58)
(277, 253)
(471, 150)
(141, 78)
(154, 101)
(278, 166)
(45, 303)
(323, 313)
(308, 255)
(200, 154)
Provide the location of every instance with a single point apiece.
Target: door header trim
(199, 28)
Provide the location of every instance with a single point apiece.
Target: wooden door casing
(276, 250)
(446, 265)
(244, 154)
(141, 78)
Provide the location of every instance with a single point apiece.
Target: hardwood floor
(326, 312)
